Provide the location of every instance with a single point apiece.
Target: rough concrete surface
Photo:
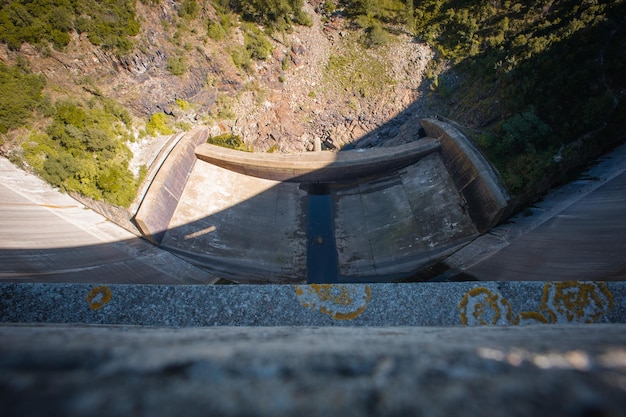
(472, 174)
(242, 227)
(576, 370)
(346, 305)
(318, 166)
(47, 236)
(166, 185)
(576, 232)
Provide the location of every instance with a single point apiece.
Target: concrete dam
(363, 215)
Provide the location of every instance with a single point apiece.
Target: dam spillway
(244, 216)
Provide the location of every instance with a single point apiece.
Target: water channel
(322, 260)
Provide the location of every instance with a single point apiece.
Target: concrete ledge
(476, 180)
(318, 166)
(424, 304)
(79, 371)
(161, 198)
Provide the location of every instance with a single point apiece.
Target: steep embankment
(537, 85)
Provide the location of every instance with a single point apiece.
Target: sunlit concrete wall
(161, 199)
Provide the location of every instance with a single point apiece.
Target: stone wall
(476, 180)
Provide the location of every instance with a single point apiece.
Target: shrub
(189, 9)
(20, 94)
(158, 125)
(375, 36)
(177, 65)
(229, 140)
(109, 23)
(215, 31)
(256, 42)
(84, 150)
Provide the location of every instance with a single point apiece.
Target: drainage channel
(322, 259)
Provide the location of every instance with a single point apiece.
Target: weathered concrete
(315, 167)
(390, 227)
(250, 229)
(159, 203)
(474, 177)
(577, 231)
(46, 236)
(420, 304)
(559, 371)
(241, 227)
(395, 210)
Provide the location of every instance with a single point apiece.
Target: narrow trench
(322, 259)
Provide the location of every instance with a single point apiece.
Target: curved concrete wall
(318, 166)
(161, 199)
(385, 213)
(384, 227)
(486, 198)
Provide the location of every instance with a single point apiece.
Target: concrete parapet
(119, 371)
(423, 304)
(479, 185)
(318, 166)
(161, 198)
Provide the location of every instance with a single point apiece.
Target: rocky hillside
(536, 84)
(317, 81)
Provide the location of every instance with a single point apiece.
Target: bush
(20, 94)
(177, 65)
(158, 125)
(276, 14)
(215, 31)
(189, 9)
(84, 150)
(230, 141)
(240, 57)
(256, 42)
(109, 23)
(375, 36)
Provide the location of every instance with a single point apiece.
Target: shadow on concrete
(371, 215)
(368, 207)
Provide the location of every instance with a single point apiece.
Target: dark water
(322, 261)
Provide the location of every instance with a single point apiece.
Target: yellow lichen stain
(338, 301)
(569, 301)
(98, 297)
(576, 301)
(485, 301)
(534, 316)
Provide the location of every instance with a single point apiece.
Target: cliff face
(317, 81)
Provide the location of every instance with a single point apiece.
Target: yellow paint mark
(98, 297)
(338, 301)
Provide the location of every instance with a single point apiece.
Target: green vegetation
(531, 79)
(158, 125)
(256, 43)
(20, 94)
(228, 140)
(108, 23)
(177, 65)
(189, 9)
(359, 72)
(275, 14)
(83, 150)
